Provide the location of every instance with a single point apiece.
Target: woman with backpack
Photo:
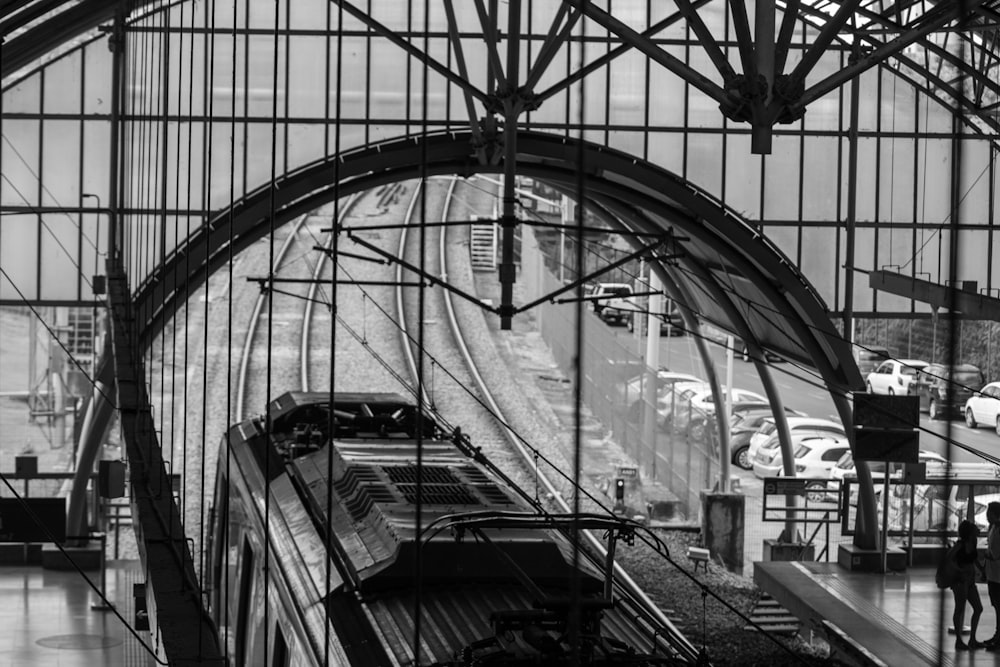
(963, 557)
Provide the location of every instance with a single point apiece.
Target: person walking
(992, 568)
(965, 555)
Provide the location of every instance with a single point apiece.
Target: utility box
(26, 465)
(111, 479)
(722, 527)
(854, 558)
(662, 505)
(776, 550)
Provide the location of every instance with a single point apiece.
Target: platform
(46, 618)
(893, 619)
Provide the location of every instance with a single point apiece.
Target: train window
(244, 601)
(279, 656)
(257, 657)
(218, 539)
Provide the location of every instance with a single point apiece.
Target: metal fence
(683, 463)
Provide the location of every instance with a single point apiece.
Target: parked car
(869, 357)
(944, 505)
(894, 376)
(766, 436)
(845, 469)
(983, 407)
(692, 424)
(826, 450)
(743, 425)
(815, 457)
(701, 396)
(612, 302)
(671, 322)
(934, 382)
(665, 379)
(691, 401)
(938, 505)
(685, 401)
(699, 425)
(676, 401)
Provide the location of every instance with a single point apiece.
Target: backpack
(948, 573)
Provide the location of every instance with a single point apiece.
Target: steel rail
(314, 287)
(674, 637)
(241, 379)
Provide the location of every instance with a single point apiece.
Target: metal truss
(959, 42)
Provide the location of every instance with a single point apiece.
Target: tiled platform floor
(46, 618)
(901, 618)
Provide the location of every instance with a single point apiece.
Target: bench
(699, 556)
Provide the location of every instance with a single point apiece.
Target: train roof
(372, 482)
(353, 463)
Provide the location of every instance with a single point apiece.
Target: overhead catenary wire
(225, 455)
(581, 191)
(335, 247)
(272, 270)
(418, 563)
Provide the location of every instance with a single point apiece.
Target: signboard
(628, 471)
(18, 525)
(821, 505)
(875, 444)
(893, 412)
(783, 486)
(969, 473)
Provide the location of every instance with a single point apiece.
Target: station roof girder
(961, 299)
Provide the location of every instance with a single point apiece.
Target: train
(315, 556)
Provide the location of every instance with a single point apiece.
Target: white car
(766, 436)
(983, 407)
(699, 396)
(894, 376)
(815, 457)
(818, 454)
(665, 380)
(613, 302)
(704, 399)
(846, 469)
(945, 505)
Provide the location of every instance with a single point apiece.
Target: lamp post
(98, 280)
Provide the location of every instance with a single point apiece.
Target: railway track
(342, 336)
(290, 342)
(468, 393)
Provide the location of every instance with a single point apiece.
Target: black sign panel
(896, 445)
(784, 486)
(17, 525)
(878, 411)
